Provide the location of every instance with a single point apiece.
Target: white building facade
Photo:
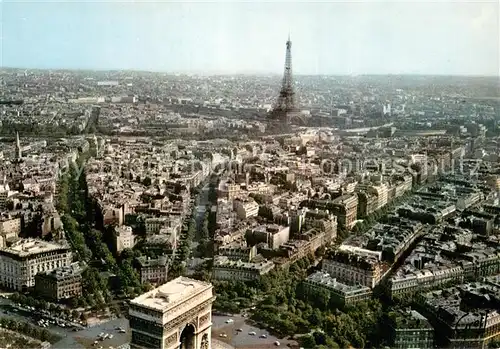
(20, 262)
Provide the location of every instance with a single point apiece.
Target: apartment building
(238, 252)
(153, 270)
(340, 294)
(367, 204)
(111, 215)
(124, 238)
(401, 285)
(10, 227)
(345, 208)
(5, 193)
(465, 316)
(468, 199)
(20, 262)
(402, 184)
(272, 234)
(154, 224)
(60, 283)
(227, 269)
(381, 191)
(352, 268)
(322, 221)
(246, 208)
(228, 191)
(410, 329)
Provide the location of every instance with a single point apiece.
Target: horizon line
(212, 73)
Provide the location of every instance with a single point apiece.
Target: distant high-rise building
(285, 108)
(386, 109)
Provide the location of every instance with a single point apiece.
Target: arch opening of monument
(187, 337)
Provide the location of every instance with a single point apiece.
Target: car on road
(263, 336)
(239, 330)
(229, 321)
(252, 333)
(223, 335)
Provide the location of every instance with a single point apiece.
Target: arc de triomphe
(176, 315)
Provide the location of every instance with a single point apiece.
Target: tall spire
(285, 107)
(18, 147)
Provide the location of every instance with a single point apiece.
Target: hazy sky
(368, 37)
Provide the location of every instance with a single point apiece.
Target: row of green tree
(91, 245)
(42, 304)
(204, 233)
(29, 330)
(205, 243)
(73, 202)
(209, 225)
(188, 235)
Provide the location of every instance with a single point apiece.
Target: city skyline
(154, 154)
(371, 37)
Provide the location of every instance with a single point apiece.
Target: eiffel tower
(285, 108)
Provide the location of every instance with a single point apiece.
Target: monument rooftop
(172, 293)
